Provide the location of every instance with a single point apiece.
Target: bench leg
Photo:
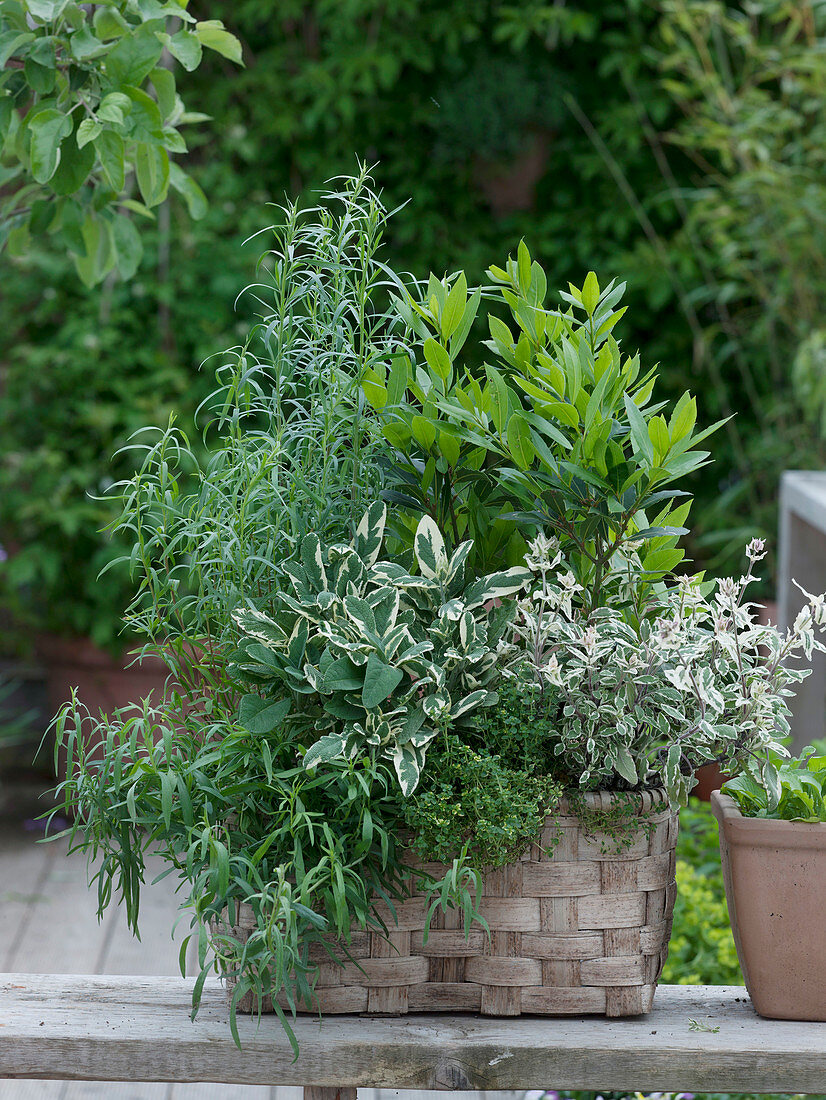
(322, 1092)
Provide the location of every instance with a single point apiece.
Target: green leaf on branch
(437, 358)
(590, 293)
(46, 10)
(74, 167)
(134, 57)
(110, 149)
(84, 46)
(10, 43)
(87, 131)
(184, 47)
(48, 128)
(152, 169)
(189, 191)
(163, 81)
(214, 36)
(520, 443)
(640, 439)
(126, 242)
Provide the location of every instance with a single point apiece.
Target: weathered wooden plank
(95, 1027)
(24, 871)
(62, 933)
(156, 952)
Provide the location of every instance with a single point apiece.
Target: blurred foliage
(701, 950)
(89, 115)
(678, 143)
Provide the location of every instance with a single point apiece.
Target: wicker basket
(579, 925)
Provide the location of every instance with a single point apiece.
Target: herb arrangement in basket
(434, 694)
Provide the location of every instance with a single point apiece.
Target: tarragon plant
(362, 654)
(695, 681)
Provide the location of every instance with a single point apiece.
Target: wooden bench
(100, 1027)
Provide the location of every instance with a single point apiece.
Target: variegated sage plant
(363, 655)
(697, 679)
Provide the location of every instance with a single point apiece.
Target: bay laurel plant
(559, 431)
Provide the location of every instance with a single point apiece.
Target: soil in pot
(775, 878)
(579, 925)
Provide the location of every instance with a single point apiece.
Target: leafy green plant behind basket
(359, 653)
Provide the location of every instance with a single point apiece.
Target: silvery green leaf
(380, 681)
(436, 705)
(497, 586)
(329, 747)
(370, 532)
(624, 764)
(256, 624)
(342, 675)
(261, 715)
(393, 639)
(350, 574)
(452, 610)
(360, 612)
(422, 737)
(313, 677)
(468, 630)
(470, 702)
(414, 652)
(313, 562)
(325, 600)
(297, 644)
(385, 604)
(389, 571)
(456, 565)
(407, 762)
(412, 724)
(429, 547)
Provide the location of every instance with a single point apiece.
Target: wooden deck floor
(48, 924)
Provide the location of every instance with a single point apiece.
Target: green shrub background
(701, 951)
(645, 173)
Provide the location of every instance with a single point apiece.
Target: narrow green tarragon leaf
(520, 443)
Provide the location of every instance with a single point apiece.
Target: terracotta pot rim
(765, 832)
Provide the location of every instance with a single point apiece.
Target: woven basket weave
(579, 925)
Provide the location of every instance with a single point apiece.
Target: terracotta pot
(103, 682)
(510, 187)
(709, 779)
(775, 877)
